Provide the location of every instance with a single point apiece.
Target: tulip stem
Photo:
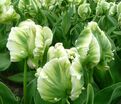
(25, 81)
(90, 76)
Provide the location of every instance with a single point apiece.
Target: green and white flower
(102, 7)
(93, 46)
(7, 12)
(88, 47)
(84, 11)
(56, 80)
(28, 41)
(30, 7)
(113, 9)
(119, 8)
(105, 44)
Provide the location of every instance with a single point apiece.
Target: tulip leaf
(19, 77)
(109, 95)
(4, 61)
(6, 96)
(90, 95)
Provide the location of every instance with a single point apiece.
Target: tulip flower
(93, 46)
(102, 7)
(84, 11)
(56, 80)
(112, 10)
(28, 41)
(7, 12)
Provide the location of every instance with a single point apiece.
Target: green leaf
(6, 96)
(109, 94)
(116, 95)
(31, 88)
(19, 77)
(1, 101)
(4, 61)
(90, 95)
(33, 95)
(103, 77)
(66, 22)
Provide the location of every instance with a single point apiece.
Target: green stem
(25, 81)
(90, 77)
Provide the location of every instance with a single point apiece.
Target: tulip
(28, 41)
(56, 80)
(102, 7)
(84, 11)
(7, 12)
(93, 46)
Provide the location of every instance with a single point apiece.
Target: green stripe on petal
(54, 82)
(43, 39)
(29, 40)
(105, 45)
(83, 42)
(93, 56)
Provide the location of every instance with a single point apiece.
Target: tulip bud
(112, 10)
(119, 8)
(30, 7)
(102, 7)
(84, 11)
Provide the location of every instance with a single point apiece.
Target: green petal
(93, 56)
(54, 82)
(84, 11)
(105, 45)
(119, 8)
(57, 51)
(17, 45)
(113, 9)
(43, 39)
(17, 52)
(77, 79)
(83, 42)
(102, 7)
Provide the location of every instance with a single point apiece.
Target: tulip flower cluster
(62, 76)
(63, 43)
